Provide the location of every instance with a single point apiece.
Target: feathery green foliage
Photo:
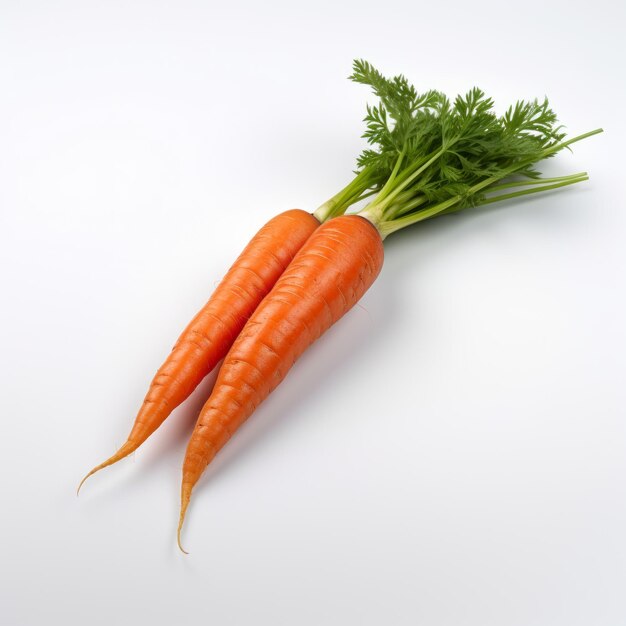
(438, 156)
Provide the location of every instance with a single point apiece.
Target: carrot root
(124, 451)
(209, 335)
(185, 496)
(325, 279)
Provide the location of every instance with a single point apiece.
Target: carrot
(428, 156)
(447, 157)
(326, 278)
(208, 336)
(212, 331)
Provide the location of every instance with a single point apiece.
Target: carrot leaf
(439, 156)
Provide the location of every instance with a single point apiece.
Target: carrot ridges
(212, 331)
(327, 277)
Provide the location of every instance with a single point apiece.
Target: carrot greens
(452, 155)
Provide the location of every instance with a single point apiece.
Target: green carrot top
(429, 156)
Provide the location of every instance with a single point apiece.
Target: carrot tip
(185, 496)
(93, 471)
(124, 451)
(180, 544)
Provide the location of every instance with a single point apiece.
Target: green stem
(522, 164)
(539, 185)
(404, 205)
(524, 192)
(390, 226)
(392, 177)
(447, 207)
(535, 181)
(355, 190)
(386, 201)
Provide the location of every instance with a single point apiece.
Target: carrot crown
(429, 156)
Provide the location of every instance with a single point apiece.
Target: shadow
(348, 343)
(355, 338)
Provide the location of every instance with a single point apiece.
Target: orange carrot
(212, 331)
(428, 156)
(210, 334)
(327, 277)
(433, 157)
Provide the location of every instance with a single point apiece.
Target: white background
(451, 453)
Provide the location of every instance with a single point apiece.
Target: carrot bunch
(207, 338)
(428, 156)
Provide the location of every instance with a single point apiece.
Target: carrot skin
(209, 335)
(212, 331)
(327, 277)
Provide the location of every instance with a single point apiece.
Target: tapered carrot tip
(185, 496)
(124, 451)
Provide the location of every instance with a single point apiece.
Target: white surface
(451, 453)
